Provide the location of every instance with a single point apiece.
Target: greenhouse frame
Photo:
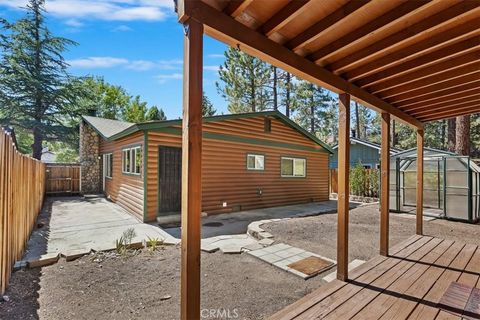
(451, 184)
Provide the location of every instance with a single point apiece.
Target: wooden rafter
(236, 7)
(473, 108)
(284, 16)
(446, 17)
(456, 82)
(230, 31)
(467, 102)
(441, 67)
(315, 31)
(441, 101)
(364, 30)
(429, 81)
(443, 94)
(468, 43)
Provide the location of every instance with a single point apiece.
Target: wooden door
(169, 180)
(62, 178)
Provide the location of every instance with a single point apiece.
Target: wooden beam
(343, 185)
(428, 81)
(441, 100)
(420, 144)
(385, 185)
(448, 107)
(315, 31)
(444, 104)
(233, 33)
(473, 107)
(440, 95)
(191, 170)
(395, 80)
(367, 28)
(236, 7)
(282, 17)
(456, 82)
(473, 110)
(421, 49)
(438, 20)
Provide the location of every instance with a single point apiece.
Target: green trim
(145, 174)
(155, 125)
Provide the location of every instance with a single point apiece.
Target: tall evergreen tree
(34, 79)
(462, 146)
(155, 114)
(244, 82)
(135, 111)
(451, 140)
(208, 109)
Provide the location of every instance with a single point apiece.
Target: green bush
(364, 182)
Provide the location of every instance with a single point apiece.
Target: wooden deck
(408, 284)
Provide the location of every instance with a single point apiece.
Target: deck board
(408, 284)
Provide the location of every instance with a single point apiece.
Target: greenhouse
(451, 184)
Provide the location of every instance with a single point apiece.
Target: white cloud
(97, 62)
(74, 23)
(216, 56)
(119, 10)
(211, 68)
(137, 65)
(162, 78)
(122, 28)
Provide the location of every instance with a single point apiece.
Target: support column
(191, 170)
(385, 185)
(343, 185)
(420, 142)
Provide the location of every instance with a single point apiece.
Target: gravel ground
(146, 286)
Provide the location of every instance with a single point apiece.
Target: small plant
(125, 241)
(153, 243)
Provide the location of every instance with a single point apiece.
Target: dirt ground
(146, 286)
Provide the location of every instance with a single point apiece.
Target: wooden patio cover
(415, 60)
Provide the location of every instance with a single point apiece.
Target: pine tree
(207, 107)
(34, 79)
(136, 111)
(451, 139)
(462, 145)
(244, 82)
(155, 114)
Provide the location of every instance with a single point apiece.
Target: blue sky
(137, 44)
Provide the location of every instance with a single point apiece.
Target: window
(255, 162)
(378, 166)
(108, 158)
(367, 166)
(293, 167)
(132, 160)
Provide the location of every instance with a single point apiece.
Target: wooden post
(343, 185)
(385, 185)
(191, 170)
(420, 141)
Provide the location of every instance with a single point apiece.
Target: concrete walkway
(74, 226)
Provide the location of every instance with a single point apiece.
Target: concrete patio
(74, 226)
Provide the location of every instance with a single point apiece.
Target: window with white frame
(255, 162)
(293, 167)
(132, 160)
(108, 158)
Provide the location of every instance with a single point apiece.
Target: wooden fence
(63, 178)
(22, 188)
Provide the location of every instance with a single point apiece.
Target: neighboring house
(249, 161)
(361, 151)
(48, 156)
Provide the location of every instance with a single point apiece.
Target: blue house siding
(358, 153)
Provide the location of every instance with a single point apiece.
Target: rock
(6, 298)
(165, 297)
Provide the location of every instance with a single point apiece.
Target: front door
(169, 180)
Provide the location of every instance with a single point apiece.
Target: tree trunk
(275, 94)
(252, 93)
(357, 118)
(443, 133)
(394, 135)
(287, 96)
(462, 146)
(37, 145)
(312, 113)
(451, 140)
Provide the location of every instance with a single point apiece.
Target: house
(361, 151)
(249, 161)
(48, 156)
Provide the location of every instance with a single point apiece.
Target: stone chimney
(90, 159)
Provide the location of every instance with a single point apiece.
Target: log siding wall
(225, 177)
(124, 189)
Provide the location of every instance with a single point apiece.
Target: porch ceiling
(418, 60)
